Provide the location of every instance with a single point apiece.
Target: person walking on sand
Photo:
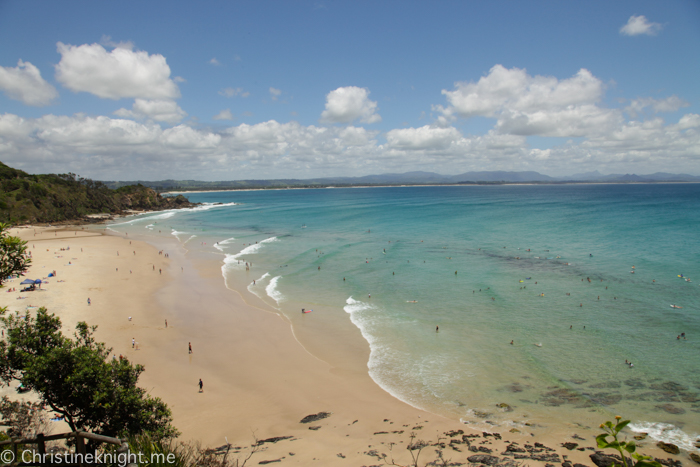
(88, 300)
(133, 342)
(201, 385)
(189, 344)
(166, 324)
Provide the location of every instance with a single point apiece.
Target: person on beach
(133, 342)
(166, 324)
(88, 300)
(511, 342)
(201, 385)
(190, 346)
(437, 328)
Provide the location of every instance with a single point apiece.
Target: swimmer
(511, 342)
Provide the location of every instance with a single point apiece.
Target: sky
(231, 90)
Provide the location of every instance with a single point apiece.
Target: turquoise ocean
(581, 279)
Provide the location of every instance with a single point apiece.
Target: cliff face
(26, 198)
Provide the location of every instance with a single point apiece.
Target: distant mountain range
(412, 178)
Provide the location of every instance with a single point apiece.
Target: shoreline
(433, 185)
(258, 376)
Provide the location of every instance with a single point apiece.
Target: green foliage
(623, 447)
(76, 378)
(53, 198)
(14, 258)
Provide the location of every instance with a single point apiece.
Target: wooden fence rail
(40, 441)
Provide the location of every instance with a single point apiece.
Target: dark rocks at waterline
(570, 446)
(669, 462)
(604, 460)
(668, 447)
(272, 440)
(512, 448)
(483, 449)
(315, 417)
(695, 457)
(505, 407)
(484, 459)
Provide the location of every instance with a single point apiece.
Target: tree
(14, 258)
(76, 378)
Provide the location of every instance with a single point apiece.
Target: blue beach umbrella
(27, 281)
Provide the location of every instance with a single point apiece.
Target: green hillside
(26, 198)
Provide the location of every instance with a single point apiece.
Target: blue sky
(232, 90)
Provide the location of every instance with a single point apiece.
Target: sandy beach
(259, 382)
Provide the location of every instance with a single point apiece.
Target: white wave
(208, 206)
(378, 354)
(272, 290)
(218, 245)
(251, 249)
(177, 234)
(147, 217)
(171, 212)
(254, 289)
(667, 433)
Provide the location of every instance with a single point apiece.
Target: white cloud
(114, 148)
(214, 62)
(161, 110)
(275, 93)
(533, 105)
(425, 137)
(116, 74)
(233, 92)
(637, 25)
(669, 104)
(223, 115)
(24, 83)
(347, 104)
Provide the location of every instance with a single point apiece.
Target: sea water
(495, 305)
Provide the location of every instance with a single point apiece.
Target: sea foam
(667, 433)
(219, 245)
(273, 291)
